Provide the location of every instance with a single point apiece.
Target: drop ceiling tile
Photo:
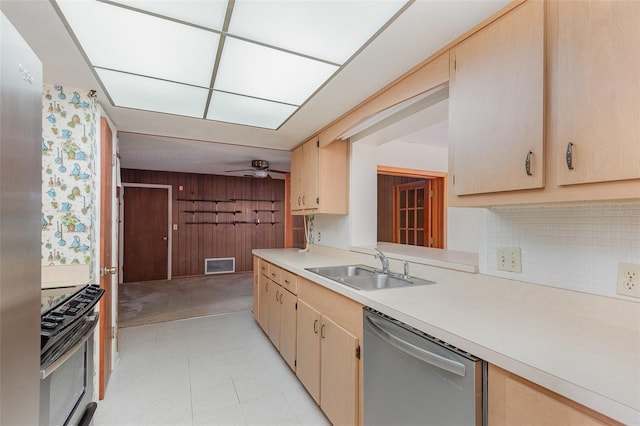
(137, 43)
(150, 94)
(328, 30)
(237, 109)
(258, 71)
(209, 13)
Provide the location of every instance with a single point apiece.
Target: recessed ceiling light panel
(262, 72)
(117, 38)
(206, 13)
(150, 94)
(328, 30)
(248, 111)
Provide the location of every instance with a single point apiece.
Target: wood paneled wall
(386, 185)
(192, 243)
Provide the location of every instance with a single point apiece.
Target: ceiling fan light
(260, 173)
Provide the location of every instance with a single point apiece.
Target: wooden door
(339, 373)
(597, 85)
(496, 104)
(308, 349)
(145, 234)
(288, 327)
(107, 267)
(419, 213)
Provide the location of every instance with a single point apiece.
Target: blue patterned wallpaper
(69, 146)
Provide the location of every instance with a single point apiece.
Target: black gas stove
(67, 314)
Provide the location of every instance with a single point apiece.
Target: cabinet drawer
(264, 267)
(275, 273)
(290, 281)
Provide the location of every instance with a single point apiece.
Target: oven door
(66, 385)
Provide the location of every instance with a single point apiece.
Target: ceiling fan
(259, 169)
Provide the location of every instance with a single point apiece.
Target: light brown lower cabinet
(278, 318)
(263, 302)
(514, 400)
(328, 365)
(256, 288)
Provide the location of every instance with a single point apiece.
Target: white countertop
(582, 346)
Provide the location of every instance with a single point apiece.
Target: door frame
(121, 227)
(423, 174)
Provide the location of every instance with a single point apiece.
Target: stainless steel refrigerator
(20, 228)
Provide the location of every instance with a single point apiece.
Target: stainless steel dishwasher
(411, 378)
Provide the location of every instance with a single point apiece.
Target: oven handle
(68, 354)
(377, 327)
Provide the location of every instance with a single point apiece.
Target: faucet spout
(383, 260)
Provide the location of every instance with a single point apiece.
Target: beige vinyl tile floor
(212, 370)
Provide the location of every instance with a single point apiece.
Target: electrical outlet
(509, 259)
(628, 280)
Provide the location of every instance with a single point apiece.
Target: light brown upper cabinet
(496, 105)
(319, 178)
(597, 84)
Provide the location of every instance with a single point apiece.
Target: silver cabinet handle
(377, 327)
(281, 298)
(527, 163)
(322, 331)
(277, 291)
(315, 326)
(569, 156)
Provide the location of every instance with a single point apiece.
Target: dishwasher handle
(378, 328)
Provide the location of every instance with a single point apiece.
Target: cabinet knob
(527, 163)
(569, 156)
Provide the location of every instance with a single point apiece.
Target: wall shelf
(267, 218)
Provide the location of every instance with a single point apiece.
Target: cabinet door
(308, 349)
(297, 171)
(273, 305)
(256, 288)
(513, 400)
(263, 300)
(311, 171)
(288, 327)
(598, 90)
(496, 105)
(339, 373)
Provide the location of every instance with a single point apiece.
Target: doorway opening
(411, 207)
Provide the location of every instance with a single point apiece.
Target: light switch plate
(509, 259)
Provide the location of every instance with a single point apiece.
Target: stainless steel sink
(363, 277)
(343, 271)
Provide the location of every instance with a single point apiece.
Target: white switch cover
(509, 259)
(175, 226)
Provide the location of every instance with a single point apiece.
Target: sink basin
(343, 271)
(363, 277)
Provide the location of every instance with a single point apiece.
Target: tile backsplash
(571, 246)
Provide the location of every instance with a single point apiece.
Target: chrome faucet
(406, 269)
(383, 260)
